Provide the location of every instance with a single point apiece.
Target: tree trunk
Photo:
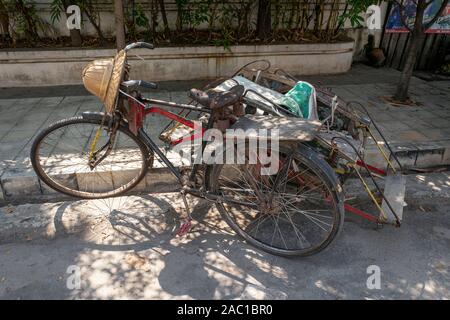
(401, 93)
(90, 12)
(417, 36)
(120, 27)
(154, 15)
(179, 22)
(4, 23)
(162, 8)
(318, 14)
(263, 23)
(31, 30)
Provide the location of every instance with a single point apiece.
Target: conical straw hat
(102, 78)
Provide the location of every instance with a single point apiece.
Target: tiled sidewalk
(22, 119)
(420, 135)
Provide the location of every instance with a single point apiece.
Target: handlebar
(139, 83)
(138, 45)
(147, 84)
(131, 84)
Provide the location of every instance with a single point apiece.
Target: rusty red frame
(139, 111)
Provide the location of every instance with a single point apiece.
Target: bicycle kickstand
(187, 224)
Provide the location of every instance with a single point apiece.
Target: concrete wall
(106, 11)
(58, 67)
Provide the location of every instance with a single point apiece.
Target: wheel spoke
(292, 210)
(62, 153)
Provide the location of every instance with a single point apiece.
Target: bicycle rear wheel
(298, 216)
(61, 156)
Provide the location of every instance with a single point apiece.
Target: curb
(23, 188)
(19, 185)
(412, 154)
(27, 222)
(418, 186)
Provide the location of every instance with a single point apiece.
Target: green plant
(56, 7)
(196, 13)
(139, 17)
(224, 41)
(89, 8)
(141, 20)
(181, 7)
(244, 16)
(25, 22)
(135, 17)
(354, 9)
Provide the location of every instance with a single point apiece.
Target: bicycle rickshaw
(296, 211)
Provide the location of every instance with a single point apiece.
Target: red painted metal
(187, 138)
(184, 228)
(356, 211)
(170, 115)
(136, 116)
(360, 213)
(371, 168)
(137, 113)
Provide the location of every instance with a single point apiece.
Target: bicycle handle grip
(132, 84)
(137, 45)
(147, 84)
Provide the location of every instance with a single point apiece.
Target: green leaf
(56, 7)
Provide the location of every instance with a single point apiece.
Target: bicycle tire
(146, 155)
(322, 169)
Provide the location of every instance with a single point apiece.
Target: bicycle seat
(217, 100)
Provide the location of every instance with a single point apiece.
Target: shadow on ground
(131, 252)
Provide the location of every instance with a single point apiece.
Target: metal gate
(432, 51)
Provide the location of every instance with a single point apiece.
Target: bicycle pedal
(184, 228)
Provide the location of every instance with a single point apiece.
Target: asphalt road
(127, 250)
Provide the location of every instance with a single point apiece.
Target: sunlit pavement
(127, 249)
(419, 134)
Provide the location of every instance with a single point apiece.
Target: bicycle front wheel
(62, 157)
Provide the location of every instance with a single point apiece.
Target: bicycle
(297, 211)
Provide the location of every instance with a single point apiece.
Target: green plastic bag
(299, 99)
(292, 106)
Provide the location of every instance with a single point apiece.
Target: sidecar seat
(300, 100)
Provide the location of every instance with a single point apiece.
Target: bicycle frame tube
(138, 112)
(176, 118)
(152, 146)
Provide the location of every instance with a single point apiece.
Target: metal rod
(370, 175)
(371, 194)
(160, 154)
(382, 151)
(250, 63)
(196, 165)
(361, 213)
(176, 105)
(379, 131)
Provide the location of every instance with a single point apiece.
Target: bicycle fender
(93, 115)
